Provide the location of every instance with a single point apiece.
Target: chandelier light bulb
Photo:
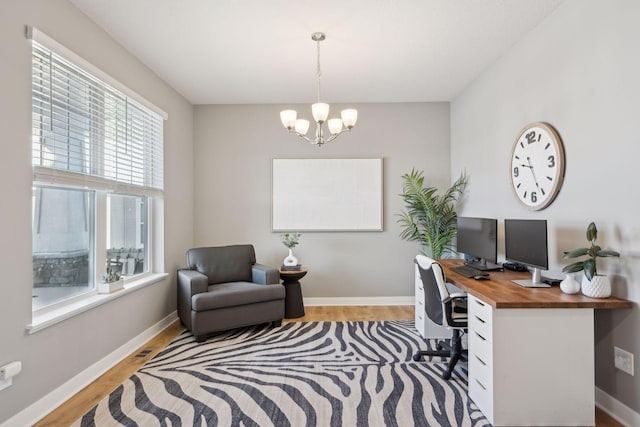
(335, 126)
(288, 118)
(302, 126)
(320, 112)
(349, 117)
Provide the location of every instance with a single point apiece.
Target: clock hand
(532, 172)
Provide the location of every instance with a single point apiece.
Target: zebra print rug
(300, 374)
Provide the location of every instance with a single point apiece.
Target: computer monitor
(525, 242)
(477, 238)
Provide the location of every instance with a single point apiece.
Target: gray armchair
(223, 288)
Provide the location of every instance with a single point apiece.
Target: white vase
(570, 285)
(290, 261)
(597, 287)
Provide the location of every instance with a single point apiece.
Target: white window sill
(43, 320)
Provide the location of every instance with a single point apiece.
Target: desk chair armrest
(454, 297)
(264, 275)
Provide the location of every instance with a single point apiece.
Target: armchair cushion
(223, 264)
(232, 294)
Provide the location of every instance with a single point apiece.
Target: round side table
(293, 306)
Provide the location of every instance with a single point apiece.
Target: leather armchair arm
(191, 282)
(264, 275)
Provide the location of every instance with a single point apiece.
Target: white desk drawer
(481, 370)
(480, 325)
(480, 308)
(482, 397)
(481, 347)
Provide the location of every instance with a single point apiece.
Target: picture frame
(327, 194)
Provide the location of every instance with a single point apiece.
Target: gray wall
(579, 70)
(234, 146)
(56, 354)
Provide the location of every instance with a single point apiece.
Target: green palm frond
(429, 219)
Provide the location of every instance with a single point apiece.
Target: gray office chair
(445, 309)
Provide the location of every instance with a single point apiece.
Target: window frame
(101, 188)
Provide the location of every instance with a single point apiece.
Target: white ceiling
(260, 51)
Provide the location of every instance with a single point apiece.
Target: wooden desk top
(500, 292)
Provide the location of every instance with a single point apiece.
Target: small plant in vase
(290, 240)
(111, 281)
(593, 284)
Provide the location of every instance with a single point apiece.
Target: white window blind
(86, 132)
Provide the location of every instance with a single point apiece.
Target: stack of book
(291, 267)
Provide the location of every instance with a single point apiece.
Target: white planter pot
(597, 287)
(107, 288)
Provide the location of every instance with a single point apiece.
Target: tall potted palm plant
(430, 219)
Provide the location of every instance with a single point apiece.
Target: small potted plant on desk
(593, 284)
(111, 281)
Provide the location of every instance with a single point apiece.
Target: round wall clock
(537, 165)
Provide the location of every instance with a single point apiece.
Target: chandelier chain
(318, 69)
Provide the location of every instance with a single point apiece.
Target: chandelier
(320, 112)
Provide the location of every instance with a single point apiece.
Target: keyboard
(468, 271)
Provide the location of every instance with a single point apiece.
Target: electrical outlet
(623, 360)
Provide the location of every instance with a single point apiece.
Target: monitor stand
(483, 265)
(535, 282)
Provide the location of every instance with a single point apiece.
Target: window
(98, 167)
(62, 221)
(127, 234)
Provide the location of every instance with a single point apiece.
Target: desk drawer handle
(480, 336)
(480, 384)
(479, 302)
(480, 360)
(480, 319)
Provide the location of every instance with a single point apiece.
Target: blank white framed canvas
(326, 194)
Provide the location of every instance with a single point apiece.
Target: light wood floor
(88, 397)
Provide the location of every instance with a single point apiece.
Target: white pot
(107, 288)
(290, 261)
(597, 287)
(570, 285)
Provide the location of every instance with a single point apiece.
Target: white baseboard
(616, 409)
(359, 301)
(38, 410)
